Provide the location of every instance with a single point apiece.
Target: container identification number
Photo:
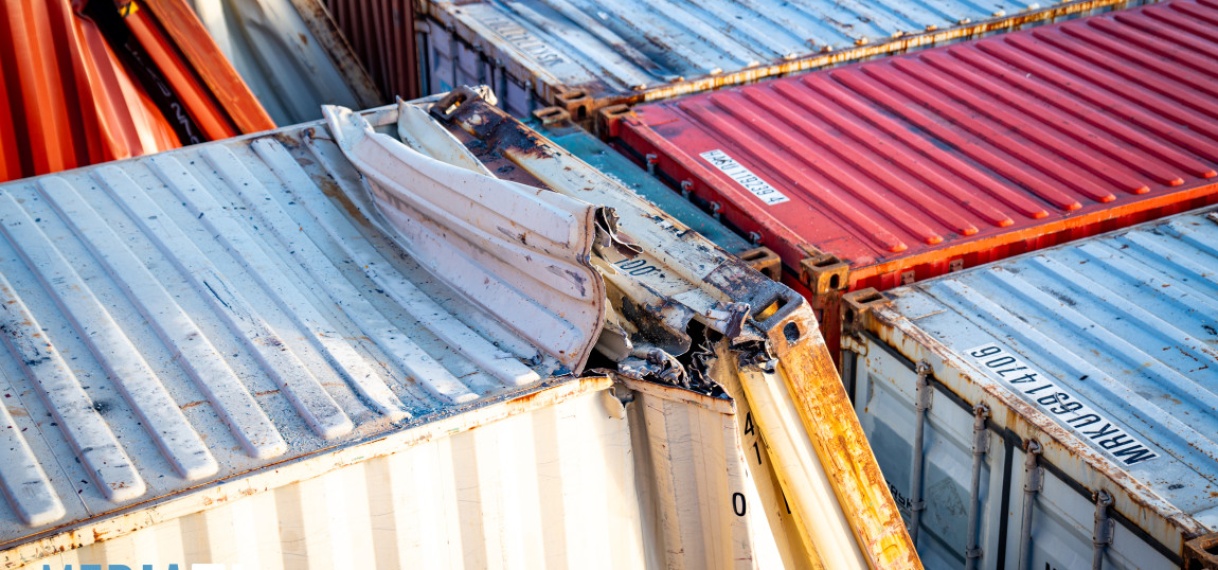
(744, 177)
(1060, 404)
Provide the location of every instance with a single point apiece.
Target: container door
(1062, 529)
(885, 391)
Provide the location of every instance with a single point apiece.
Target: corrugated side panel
(382, 34)
(187, 317)
(1108, 347)
(910, 166)
(587, 53)
(551, 488)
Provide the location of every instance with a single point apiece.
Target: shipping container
(291, 53)
(348, 343)
(385, 40)
(1055, 410)
(90, 82)
(585, 55)
(891, 171)
(555, 124)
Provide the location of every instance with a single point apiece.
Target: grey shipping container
(1056, 410)
(584, 55)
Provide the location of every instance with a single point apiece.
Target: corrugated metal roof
(973, 152)
(187, 317)
(1124, 323)
(636, 50)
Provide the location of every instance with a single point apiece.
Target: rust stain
(842, 447)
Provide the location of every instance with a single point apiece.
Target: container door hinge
(1032, 484)
(981, 445)
(1102, 535)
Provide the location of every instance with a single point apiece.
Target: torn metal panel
(683, 283)
(520, 253)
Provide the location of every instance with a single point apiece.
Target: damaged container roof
(1103, 352)
(195, 315)
(243, 315)
(585, 54)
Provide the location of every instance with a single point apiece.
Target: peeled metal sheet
(891, 171)
(679, 295)
(583, 55)
(518, 252)
(1102, 352)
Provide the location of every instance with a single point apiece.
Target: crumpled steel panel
(1123, 324)
(194, 315)
(585, 54)
(911, 166)
(520, 253)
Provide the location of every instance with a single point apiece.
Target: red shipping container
(894, 170)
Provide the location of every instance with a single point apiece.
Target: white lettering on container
(744, 177)
(1088, 423)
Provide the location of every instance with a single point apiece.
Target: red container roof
(970, 152)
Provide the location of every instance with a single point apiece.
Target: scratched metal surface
(652, 50)
(183, 318)
(1127, 322)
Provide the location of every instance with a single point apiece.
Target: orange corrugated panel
(76, 80)
(183, 31)
(68, 100)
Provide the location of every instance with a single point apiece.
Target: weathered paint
(584, 55)
(904, 168)
(698, 282)
(1122, 325)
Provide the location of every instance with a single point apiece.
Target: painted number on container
(636, 267)
(744, 177)
(1061, 404)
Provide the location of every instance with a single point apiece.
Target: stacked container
(1055, 410)
(584, 55)
(891, 171)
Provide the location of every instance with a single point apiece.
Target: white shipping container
(1056, 410)
(312, 348)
